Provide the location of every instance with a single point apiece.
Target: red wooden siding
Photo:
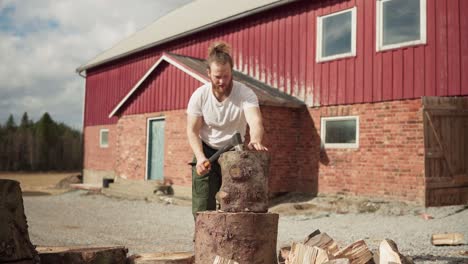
(167, 88)
(278, 47)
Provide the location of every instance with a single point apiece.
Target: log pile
(241, 231)
(319, 248)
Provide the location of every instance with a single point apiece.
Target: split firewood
(221, 260)
(357, 253)
(338, 261)
(388, 253)
(283, 254)
(451, 239)
(162, 258)
(301, 253)
(321, 240)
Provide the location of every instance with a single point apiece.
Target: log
(301, 253)
(162, 258)
(283, 254)
(338, 261)
(84, 255)
(221, 260)
(388, 252)
(242, 237)
(15, 245)
(451, 239)
(357, 253)
(244, 181)
(323, 241)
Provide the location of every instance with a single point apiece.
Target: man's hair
(219, 52)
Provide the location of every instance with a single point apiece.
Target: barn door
(446, 154)
(156, 149)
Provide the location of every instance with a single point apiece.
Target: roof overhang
(196, 68)
(159, 32)
(167, 58)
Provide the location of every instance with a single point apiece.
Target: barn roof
(182, 22)
(196, 68)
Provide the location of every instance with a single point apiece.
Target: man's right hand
(203, 167)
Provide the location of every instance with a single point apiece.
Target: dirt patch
(322, 205)
(37, 184)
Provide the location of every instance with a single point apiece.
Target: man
(216, 111)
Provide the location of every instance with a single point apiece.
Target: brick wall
(293, 165)
(390, 159)
(388, 163)
(132, 146)
(95, 157)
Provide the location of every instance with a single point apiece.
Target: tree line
(39, 146)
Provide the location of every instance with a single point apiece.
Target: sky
(42, 42)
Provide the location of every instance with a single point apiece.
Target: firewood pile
(320, 248)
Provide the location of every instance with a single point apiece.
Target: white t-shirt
(221, 120)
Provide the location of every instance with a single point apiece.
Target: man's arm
(254, 119)
(194, 124)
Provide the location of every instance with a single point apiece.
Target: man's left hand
(257, 146)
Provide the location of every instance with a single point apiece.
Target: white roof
(188, 19)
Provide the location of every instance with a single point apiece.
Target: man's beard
(225, 87)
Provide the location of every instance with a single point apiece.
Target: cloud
(43, 42)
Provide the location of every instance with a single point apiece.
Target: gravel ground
(78, 218)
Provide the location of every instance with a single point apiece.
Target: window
(400, 23)
(340, 132)
(336, 35)
(104, 138)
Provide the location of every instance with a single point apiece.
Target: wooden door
(446, 153)
(156, 149)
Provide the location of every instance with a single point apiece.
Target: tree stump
(83, 255)
(245, 181)
(15, 245)
(248, 238)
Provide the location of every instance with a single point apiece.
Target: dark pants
(204, 188)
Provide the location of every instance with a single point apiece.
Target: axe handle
(215, 156)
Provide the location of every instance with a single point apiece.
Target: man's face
(221, 77)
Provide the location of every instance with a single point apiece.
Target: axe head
(236, 142)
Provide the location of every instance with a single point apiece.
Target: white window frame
(100, 138)
(379, 29)
(318, 56)
(338, 145)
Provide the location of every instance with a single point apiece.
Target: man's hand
(257, 146)
(201, 168)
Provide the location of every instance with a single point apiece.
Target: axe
(234, 142)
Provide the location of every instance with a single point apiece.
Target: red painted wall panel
(161, 91)
(278, 47)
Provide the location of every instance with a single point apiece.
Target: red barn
(364, 97)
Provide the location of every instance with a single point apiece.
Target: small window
(104, 138)
(400, 23)
(340, 132)
(336, 35)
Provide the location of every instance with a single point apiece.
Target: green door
(156, 149)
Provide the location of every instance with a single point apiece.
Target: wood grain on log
(244, 181)
(82, 255)
(15, 245)
(301, 253)
(323, 241)
(357, 253)
(448, 239)
(221, 260)
(248, 238)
